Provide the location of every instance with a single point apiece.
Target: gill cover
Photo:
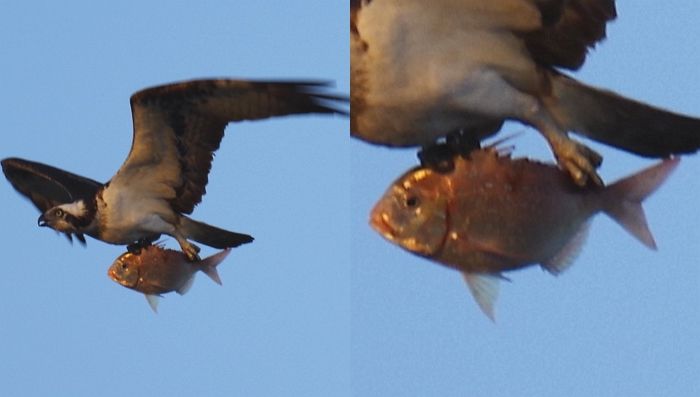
(124, 270)
(413, 213)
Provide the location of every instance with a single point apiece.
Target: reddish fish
(493, 214)
(156, 270)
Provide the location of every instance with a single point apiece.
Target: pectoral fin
(484, 288)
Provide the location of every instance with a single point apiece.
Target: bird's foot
(191, 251)
(579, 161)
(136, 247)
(437, 157)
(440, 155)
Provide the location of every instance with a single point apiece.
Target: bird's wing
(46, 186)
(569, 28)
(177, 128)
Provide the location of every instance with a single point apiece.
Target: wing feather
(569, 29)
(178, 127)
(46, 186)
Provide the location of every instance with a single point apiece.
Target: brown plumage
(176, 130)
(198, 111)
(422, 71)
(569, 29)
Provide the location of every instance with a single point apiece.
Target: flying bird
(176, 130)
(425, 70)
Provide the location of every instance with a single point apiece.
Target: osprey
(424, 70)
(177, 128)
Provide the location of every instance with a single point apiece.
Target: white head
(67, 218)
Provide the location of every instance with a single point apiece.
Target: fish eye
(58, 212)
(412, 201)
(124, 266)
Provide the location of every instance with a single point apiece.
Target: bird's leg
(191, 250)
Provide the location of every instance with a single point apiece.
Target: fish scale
(492, 214)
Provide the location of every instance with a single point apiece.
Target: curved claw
(579, 161)
(192, 252)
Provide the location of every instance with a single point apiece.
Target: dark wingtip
(9, 164)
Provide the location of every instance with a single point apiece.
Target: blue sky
(622, 321)
(319, 304)
(280, 323)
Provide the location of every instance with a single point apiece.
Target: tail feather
(623, 123)
(622, 200)
(208, 265)
(212, 236)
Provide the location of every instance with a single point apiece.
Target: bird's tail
(622, 200)
(624, 123)
(212, 236)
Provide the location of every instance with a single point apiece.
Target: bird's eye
(58, 213)
(412, 201)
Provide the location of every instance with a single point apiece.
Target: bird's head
(65, 217)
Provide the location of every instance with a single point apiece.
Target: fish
(155, 270)
(492, 214)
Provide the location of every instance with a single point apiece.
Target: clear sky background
(280, 325)
(319, 304)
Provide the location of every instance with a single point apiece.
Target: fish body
(156, 270)
(492, 214)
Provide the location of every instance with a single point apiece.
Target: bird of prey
(423, 70)
(176, 129)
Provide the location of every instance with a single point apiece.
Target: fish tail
(209, 264)
(623, 199)
(212, 236)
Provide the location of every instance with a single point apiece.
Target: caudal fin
(624, 123)
(622, 200)
(209, 264)
(212, 236)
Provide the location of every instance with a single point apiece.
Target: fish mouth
(113, 275)
(380, 222)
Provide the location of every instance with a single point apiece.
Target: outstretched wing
(46, 186)
(177, 128)
(569, 29)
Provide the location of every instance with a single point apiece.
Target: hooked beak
(42, 221)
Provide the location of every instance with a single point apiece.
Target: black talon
(440, 155)
(462, 143)
(136, 247)
(437, 157)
